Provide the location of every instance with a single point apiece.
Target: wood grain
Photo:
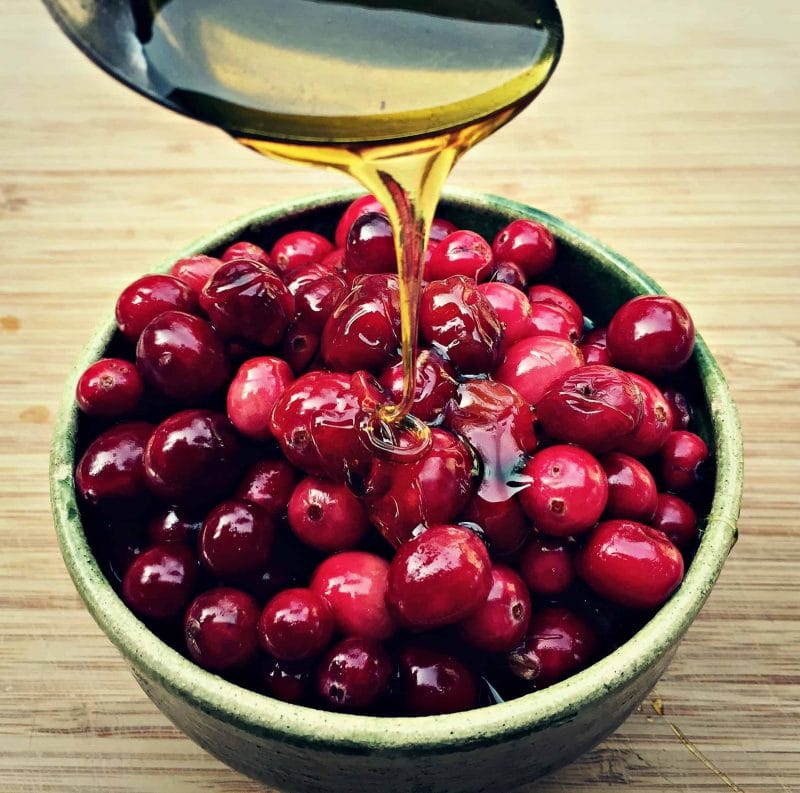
(671, 131)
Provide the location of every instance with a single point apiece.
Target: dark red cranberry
(548, 319)
(528, 244)
(682, 456)
(287, 681)
(680, 408)
(676, 518)
(149, 297)
(630, 564)
(246, 250)
(652, 335)
(503, 523)
(194, 271)
(334, 261)
(433, 682)
(547, 566)
(314, 302)
(111, 468)
(546, 293)
(370, 245)
(594, 348)
(568, 490)
(296, 624)
(354, 674)
(436, 385)
(278, 574)
(305, 275)
(458, 320)
(439, 577)
(300, 347)
(173, 525)
(362, 205)
(354, 583)
(220, 629)
(297, 248)
(508, 273)
(109, 387)
(656, 423)
(594, 407)
(181, 357)
(632, 492)
(268, 483)
(512, 309)
(253, 392)
(191, 458)
(461, 253)
(160, 581)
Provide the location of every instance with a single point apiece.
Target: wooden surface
(671, 131)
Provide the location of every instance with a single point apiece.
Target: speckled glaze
(301, 750)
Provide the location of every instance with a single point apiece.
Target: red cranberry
(547, 566)
(191, 457)
(500, 624)
(305, 275)
(594, 348)
(652, 335)
(630, 564)
(362, 205)
(287, 681)
(528, 244)
(681, 459)
(461, 253)
(220, 629)
(433, 682)
(253, 392)
(109, 387)
(268, 483)
(594, 407)
(512, 309)
(299, 247)
(440, 229)
(354, 674)
(172, 525)
(111, 468)
(656, 423)
(439, 577)
(195, 271)
(632, 490)
(160, 581)
(354, 584)
(370, 245)
(181, 357)
(300, 347)
(436, 385)
(148, 298)
(548, 319)
(546, 293)
(246, 250)
(326, 515)
(680, 408)
(334, 261)
(295, 624)
(315, 301)
(503, 523)
(568, 490)
(509, 273)
(676, 519)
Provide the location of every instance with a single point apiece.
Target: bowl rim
(300, 725)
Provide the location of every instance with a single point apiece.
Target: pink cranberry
(160, 581)
(680, 408)
(508, 273)
(253, 392)
(361, 206)
(174, 526)
(195, 271)
(652, 334)
(656, 423)
(354, 674)
(682, 456)
(630, 564)
(676, 519)
(436, 385)
(594, 347)
(503, 523)
(547, 566)
(370, 245)
(439, 577)
(567, 493)
(632, 490)
(528, 244)
(149, 297)
(512, 309)
(546, 293)
(287, 681)
(295, 624)
(433, 682)
(269, 484)
(248, 251)
(315, 301)
(547, 319)
(461, 253)
(109, 387)
(299, 247)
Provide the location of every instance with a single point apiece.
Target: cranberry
(289, 682)
(528, 244)
(160, 581)
(246, 250)
(568, 490)
(680, 408)
(370, 245)
(547, 566)
(433, 682)
(354, 674)
(300, 347)
(299, 247)
(676, 519)
(436, 385)
(334, 261)
(531, 365)
(326, 515)
(503, 523)
(548, 319)
(361, 206)
(149, 297)
(268, 483)
(173, 525)
(652, 335)
(354, 584)
(109, 387)
(305, 275)
(461, 253)
(111, 468)
(632, 490)
(508, 273)
(594, 348)
(594, 407)
(440, 229)
(439, 577)
(191, 457)
(181, 357)
(512, 309)
(630, 564)
(546, 293)
(315, 301)
(295, 624)
(236, 538)
(220, 629)
(195, 271)
(253, 392)
(457, 319)
(682, 457)
(656, 423)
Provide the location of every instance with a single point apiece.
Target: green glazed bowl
(302, 750)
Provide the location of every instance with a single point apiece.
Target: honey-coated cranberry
(315, 301)
(632, 490)
(109, 387)
(268, 483)
(435, 385)
(354, 674)
(160, 581)
(682, 457)
(246, 250)
(433, 682)
(194, 271)
(547, 293)
(547, 567)
(676, 518)
(149, 297)
(173, 525)
(370, 245)
(253, 392)
(594, 347)
(361, 206)
(461, 253)
(299, 247)
(656, 423)
(508, 273)
(503, 522)
(296, 624)
(680, 408)
(512, 309)
(528, 244)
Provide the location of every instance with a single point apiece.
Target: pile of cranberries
(231, 494)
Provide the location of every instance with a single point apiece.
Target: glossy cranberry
(109, 387)
(512, 309)
(676, 518)
(548, 319)
(326, 515)
(296, 624)
(508, 273)
(111, 468)
(594, 407)
(361, 206)
(160, 581)
(370, 245)
(433, 682)
(656, 423)
(354, 674)
(246, 300)
(546, 566)
(268, 483)
(546, 293)
(220, 629)
(682, 456)
(287, 681)
(304, 275)
(632, 492)
(567, 493)
(680, 407)
(172, 525)
(253, 392)
(436, 385)
(528, 244)
(354, 583)
(192, 458)
(440, 229)
(149, 297)
(594, 347)
(458, 320)
(531, 365)
(630, 564)
(559, 643)
(181, 357)
(246, 250)
(503, 522)
(315, 301)
(300, 347)
(461, 253)
(652, 335)
(297, 248)
(334, 261)
(194, 271)
(439, 577)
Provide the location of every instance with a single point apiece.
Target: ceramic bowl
(303, 750)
